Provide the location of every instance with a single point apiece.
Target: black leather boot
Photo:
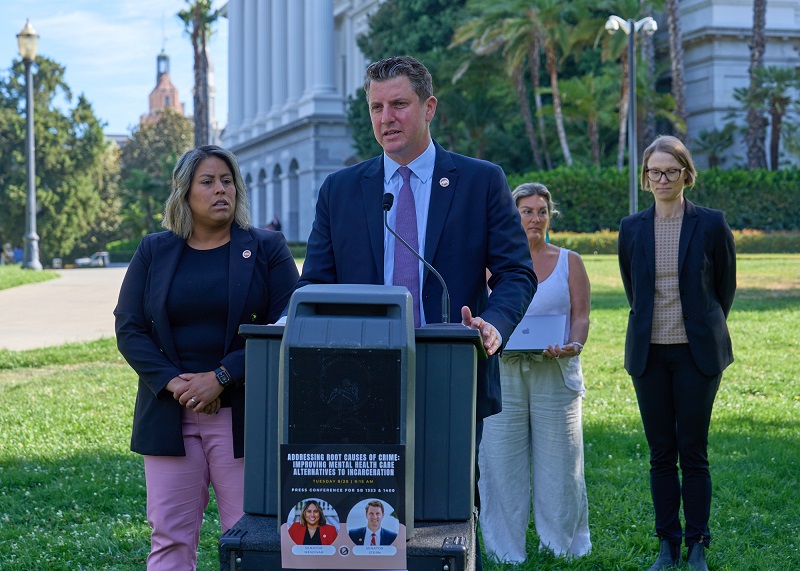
(669, 556)
(697, 557)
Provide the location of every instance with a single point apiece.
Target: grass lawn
(72, 495)
(13, 275)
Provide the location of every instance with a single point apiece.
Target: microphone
(388, 201)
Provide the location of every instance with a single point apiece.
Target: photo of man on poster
(374, 533)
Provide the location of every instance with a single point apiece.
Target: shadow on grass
(766, 300)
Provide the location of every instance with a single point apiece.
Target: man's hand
(491, 340)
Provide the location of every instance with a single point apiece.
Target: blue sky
(109, 49)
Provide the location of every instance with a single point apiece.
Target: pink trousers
(177, 490)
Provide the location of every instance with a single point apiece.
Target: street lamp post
(631, 27)
(28, 41)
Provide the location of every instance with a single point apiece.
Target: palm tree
(535, 65)
(516, 25)
(676, 59)
(649, 61)
(756, 123)
(714, 143)
(587, 98)
(197, 20)
(497, 29)
(772, 97)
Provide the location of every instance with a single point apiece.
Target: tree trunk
(522, 97)
(623, 112)
(534, 61)
(775, 138)
(200, 94)
(676, 61)
(594, 140)
(550, 57)
(649, 58)
(756, 123)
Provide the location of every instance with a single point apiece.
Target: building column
(320, 96)
(295, 56)
(249, 85)
(235, 70)
(279, 57)
(263, 67)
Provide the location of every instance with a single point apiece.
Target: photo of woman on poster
(312, 527)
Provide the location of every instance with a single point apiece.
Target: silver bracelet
(579, 344)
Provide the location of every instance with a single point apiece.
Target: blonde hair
(527, 189)
(672, 146)
(177, 214)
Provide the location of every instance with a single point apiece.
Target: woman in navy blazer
(678, 266)
(183, 298)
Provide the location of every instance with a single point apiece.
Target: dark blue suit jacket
(260, 285)
(707, 282)
(359, 535)
(472, 225)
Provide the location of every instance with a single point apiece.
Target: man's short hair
(374, 504)
(397, 66)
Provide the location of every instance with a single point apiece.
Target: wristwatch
(223, 377)
(579, 345)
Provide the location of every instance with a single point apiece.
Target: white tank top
(552, 295)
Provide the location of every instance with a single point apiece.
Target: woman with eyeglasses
(678, 266)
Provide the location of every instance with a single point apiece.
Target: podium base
(254, 544)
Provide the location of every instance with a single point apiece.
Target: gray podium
(439, 425)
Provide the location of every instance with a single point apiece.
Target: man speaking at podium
(456, 210)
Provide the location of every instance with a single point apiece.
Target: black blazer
(472, 225)
(262, 277)
(707, 282)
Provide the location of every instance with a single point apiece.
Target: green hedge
(591, 200)
(747, 242)
(121, 251)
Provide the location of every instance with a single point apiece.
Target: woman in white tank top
(532, 451)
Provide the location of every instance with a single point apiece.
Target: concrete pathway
(77, 306)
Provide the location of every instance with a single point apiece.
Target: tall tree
(589, 98)
(147, 163)
(198, 19)
(676, 60)
(493, 30)
(772, 98)
(714, 143)
(648, 130)
(519, 24)
(70, 160)
(756, 122)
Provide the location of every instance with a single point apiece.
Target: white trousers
(533, 450)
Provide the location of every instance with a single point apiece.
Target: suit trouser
(177, 490)
(675, 401)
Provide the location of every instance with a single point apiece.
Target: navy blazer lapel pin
(444, 182)
(246, 254)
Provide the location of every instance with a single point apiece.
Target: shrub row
(603, 242)
(747, 242)
(591, 200)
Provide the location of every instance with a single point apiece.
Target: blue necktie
(406, 265)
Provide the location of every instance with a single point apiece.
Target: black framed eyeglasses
(671, 174)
